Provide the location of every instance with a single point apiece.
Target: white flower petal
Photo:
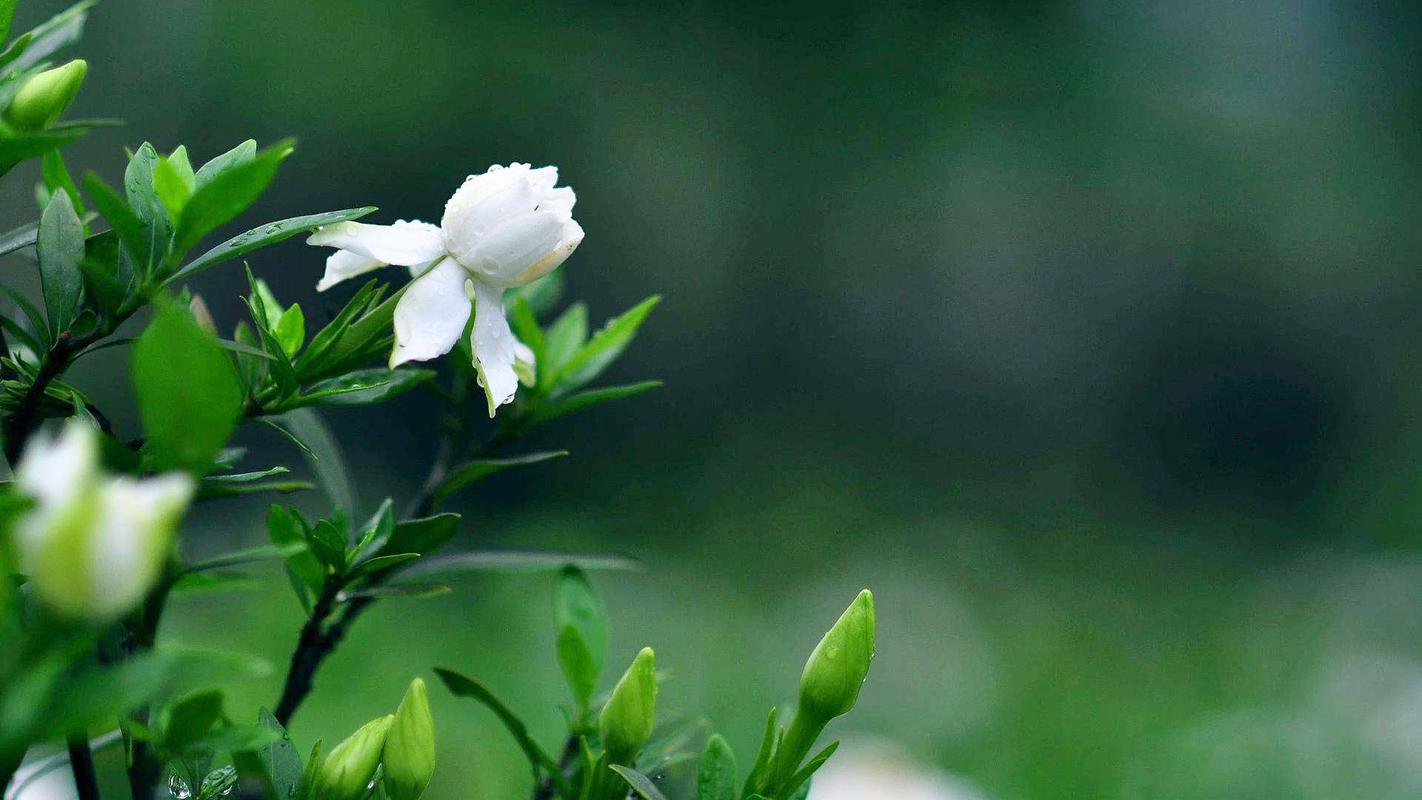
(53, 470)
(431, 314)
(522, 249)
(404, 243)
(495, 348)
(344, 264)
(133, 530)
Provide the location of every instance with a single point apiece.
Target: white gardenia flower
(92, 544)
(501, 229)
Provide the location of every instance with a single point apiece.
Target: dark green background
(1085, 334)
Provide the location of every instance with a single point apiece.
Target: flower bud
(410, 748)
(92, 544)
(627, 719)
(510, 226)
(347, 771)
(836, 669)
(44, 97)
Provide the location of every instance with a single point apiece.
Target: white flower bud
(92, 544)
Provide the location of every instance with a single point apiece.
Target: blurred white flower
(877, 771)
(92, 544)
(501, 229)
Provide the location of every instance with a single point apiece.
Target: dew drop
(178, 788)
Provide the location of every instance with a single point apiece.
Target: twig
(81, 761)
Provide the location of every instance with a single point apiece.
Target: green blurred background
(1085, 334)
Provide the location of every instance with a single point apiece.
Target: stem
(144, 768)
(799, 738)
(20, 425)
(548, 787)
(81, 761)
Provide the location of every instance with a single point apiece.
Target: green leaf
(290, 331)
(245, 483)
(376, 532)
(765, 755)
(716, 776)
(639, 782)
(464, 686)
(59, 31)
(134, 233)
(250, 555)
(60, 248)
(22, 147)
(564, 338)
(424, 536)
(328, 543)
(231, 192)
(540, 295)
(582, 634)
(288, 533)
(406, 591)
(812, 766)
(56, 176)
(588, 398)
(143, 201)
(188, 394)
(7, 15)
(192, 717)
(523, 561)
(279, 758)
(364, 387)
(605, 346)
(324, 454)
(19, 238)
(378, 564)
(472, 471)
(106, 287)
(174, 182)
(312, 362)
(261, 236)
(212, 582)
(237, 156)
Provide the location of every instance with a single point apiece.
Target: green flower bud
(410, 748)
(346, 772)
(836, 670)
(44, 97)
(627, 719)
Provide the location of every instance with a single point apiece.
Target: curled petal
(495, 348)
(404, 243)
(344, 264)
(431, 314)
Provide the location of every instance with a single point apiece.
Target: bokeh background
(1086, 334)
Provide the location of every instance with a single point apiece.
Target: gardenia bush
(90, 527)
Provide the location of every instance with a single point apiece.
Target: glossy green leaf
(564, 338)
(424, 536)
(522, 561)
(188, 394)
(716, 774)
(237, 156)
(582, 634)
(279, 758)
(469, 472)
(288, 534)
(55, 175)
(59, 249)
(59, 31)
(192, 717)
(577, 401)
(19, 238)
(231, 192)
(261, 236)
(143, 200)
(134, 233)
(640, 783)
(328, 544)
(174, 182)
(290, 330)
(605, 346)
(365, 387)
(323, 453)
(464, 686)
